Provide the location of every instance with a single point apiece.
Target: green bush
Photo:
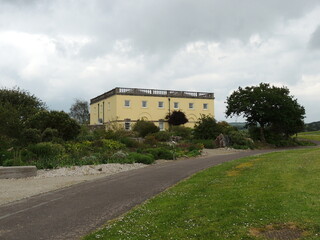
(141, 158)
(206, 128)
(181, 131)
(150, 140)
(112, 145)
(31, 136)
(129, 142)
(46, 149)
(162, 136)
(144, 128)
(240, 140)
(160, 153)
(49, 134)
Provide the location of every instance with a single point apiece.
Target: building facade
(124, 106)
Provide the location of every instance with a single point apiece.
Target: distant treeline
(314, 126)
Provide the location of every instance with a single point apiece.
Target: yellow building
(124, 106)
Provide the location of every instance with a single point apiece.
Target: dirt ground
(49, 180)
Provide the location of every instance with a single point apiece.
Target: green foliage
(267, 106)
(16, 107)
(177, 118)
(49, 134)
(181, 131)
(144, 128)
(162, 136)
(160, 153)
(240, 139)
(68, 128)
(31, 136)
(80, 111)
(112, 145)
(150, 140)
(141, 158)
(206, 128)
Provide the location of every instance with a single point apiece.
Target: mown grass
(315, 135)
(229, 200)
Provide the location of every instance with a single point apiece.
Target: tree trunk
(262, 137)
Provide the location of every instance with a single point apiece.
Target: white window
(176, 105)
(191, 105)
(144, 104)
(205, 106)
(127, 103)
(127, 124)
(161, 125)
(160, 105)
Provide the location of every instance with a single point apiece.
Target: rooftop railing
(152, 92)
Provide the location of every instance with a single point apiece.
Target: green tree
(177, 118)
(267, 106)
(206, 128)
(80, 111)
(16, 107)
(144, 128)
(67, 127)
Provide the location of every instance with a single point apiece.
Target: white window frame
(146, 104)
(125, 103)
(191, 105)
(162, 103)
(205, 106)
(174, 105)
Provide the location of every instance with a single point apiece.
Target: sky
(62, 50)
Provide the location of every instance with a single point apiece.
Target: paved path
(75, 211)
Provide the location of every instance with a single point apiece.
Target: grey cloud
(315, 39)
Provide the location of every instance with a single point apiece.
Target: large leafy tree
(80, 111)
(16, 107)
(267, 106)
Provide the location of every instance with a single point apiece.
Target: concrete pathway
(75, 211)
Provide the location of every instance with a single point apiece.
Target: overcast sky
(61, 50)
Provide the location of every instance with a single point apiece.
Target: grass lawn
(235, 200)
(315, 135)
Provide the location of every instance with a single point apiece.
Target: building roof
(152, 92)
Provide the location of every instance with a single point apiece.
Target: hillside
(314, 126)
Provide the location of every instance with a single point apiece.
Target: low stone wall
(18, 172)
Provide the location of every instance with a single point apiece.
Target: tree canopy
(177, 118)
(267, 106)
(80, 111)
(16, 107)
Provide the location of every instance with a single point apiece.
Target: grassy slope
(310, 135)
(224, 202)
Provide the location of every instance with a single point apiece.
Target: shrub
(162, 136)
(240, 140)
(111, 144)
(31, 136)
(181, 131)
(144, 128)
(150, 140)
(49, 134)
(206, 128)
(129, 142)
(46, 149)
(141, 158)
(160, 153)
